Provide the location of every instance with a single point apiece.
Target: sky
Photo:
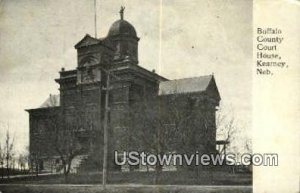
(178, 38)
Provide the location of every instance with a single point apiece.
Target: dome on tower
(121, 27)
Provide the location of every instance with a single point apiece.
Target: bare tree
(65, 142)
(177, 123)
(226, 127)
(248, 145)
(22, 161)
(150, 130)
(193, 121)
(35, 158)
(36, 152)
(26, 158)
(8, 152)
(232, 133)
(2, 157)
(68, 147)
(229, 129)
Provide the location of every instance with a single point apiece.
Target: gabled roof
(52, 101)
(87, 41)
(189, 85)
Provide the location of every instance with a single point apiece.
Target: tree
(148, 130)
(193, 122)
(2, 156)
(65, 142)
(22, 161)
(35, 156)
(180, 123)
(230, 130)
(226, 128)
(248, 145)
(8, 152)
(68, 147)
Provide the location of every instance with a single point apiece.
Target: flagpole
(95, 9)
(160, 35)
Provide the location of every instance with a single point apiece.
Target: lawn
(147, 178)
(122, 189)
(133, 182)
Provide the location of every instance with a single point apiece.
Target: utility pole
(105, 128)
(105, 125)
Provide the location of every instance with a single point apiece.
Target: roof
(139, 70)
(122, 27)
(187, 85)
(52, 101)
(88, 40)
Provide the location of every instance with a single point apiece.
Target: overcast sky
(197, 38)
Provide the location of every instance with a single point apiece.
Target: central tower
(124, 39)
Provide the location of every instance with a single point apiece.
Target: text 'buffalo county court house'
(81, 100)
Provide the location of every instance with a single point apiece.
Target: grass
(133, 182)
(164, 178)
(122, 189)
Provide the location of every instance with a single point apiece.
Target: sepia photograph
(129, 96)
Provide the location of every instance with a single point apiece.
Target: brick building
(82, 92)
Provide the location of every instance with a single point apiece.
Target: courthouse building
(82, 90)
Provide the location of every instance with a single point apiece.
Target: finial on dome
(122, 12)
